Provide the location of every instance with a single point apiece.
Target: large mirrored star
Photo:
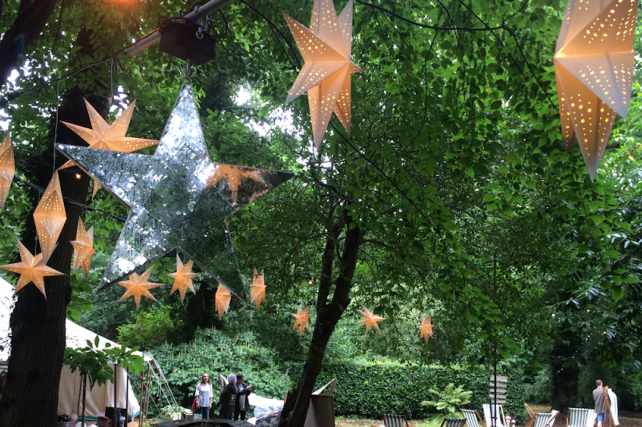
(177, 198)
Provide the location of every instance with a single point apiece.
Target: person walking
(228, 398)
(600, 403)
(242, 392)
(204, 393)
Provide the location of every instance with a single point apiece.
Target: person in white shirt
(204, 393)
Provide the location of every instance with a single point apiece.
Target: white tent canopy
(70, 396)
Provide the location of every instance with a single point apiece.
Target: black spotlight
(186, 39)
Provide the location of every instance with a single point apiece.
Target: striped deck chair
(545, 419)
(453, 422)
(496, 412)
(472, 418)
(591, 417)
(576, 417)
(394, 420)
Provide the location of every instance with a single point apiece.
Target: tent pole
(84, 398)
(142, 397)
(116, 420)
(127, 398)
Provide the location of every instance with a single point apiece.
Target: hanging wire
(111, 89)
(56, 127)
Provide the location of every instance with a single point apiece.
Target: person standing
(600, 403)
(228, 398)
(204, 394)
(242, 392)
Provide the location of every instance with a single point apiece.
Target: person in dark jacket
(242, 392)
(228, 398)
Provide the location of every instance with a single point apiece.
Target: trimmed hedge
(372, 388)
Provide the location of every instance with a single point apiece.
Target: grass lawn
(434, 421)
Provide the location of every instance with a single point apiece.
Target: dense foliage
(453, 179)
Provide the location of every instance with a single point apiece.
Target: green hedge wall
(372, 388)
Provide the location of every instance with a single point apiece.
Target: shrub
(374, 387)
(449, 400)
(215, 352)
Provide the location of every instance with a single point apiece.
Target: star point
(302, 319)
(138, 286)
(50, 216)
(425, 327)
(257, 288)
(83, 247)
(32, 269)
(370, 319)
(222, 300)
(7, 168)
(182, 278)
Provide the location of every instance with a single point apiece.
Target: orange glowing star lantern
(50, 216)
(104, 136)
(32, 269)
(138, 286)
(370, 319)
(182, 278)
(426, 328)
(83, 247)
(257, 289)
(7, 168)
(326, 48)
(222, 300)
(302, 319)
(594, 71)
(233, 176)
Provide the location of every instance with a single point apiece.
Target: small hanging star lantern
(7, 168)
(104, 136)
(222, 300)
(370, 319)
(32, 269)
(326, 48)
(182, 278)
(302, 319)
(50, 216)
(257, 288)
(594, 68)
(83, 247)
(426, 328)
(138, 286)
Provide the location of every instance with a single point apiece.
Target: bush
(451, 400)
(214, 352)
(374, 387)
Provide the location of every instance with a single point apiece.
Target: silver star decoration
(179, 199)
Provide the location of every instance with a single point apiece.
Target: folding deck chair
(453, 422)
(472, 418)
(541, 419)
(577, 417)
(394, 420)
(494, 411)
(591, 417)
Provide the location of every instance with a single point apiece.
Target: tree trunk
(31, 19)
(38, 324)
(328, 315)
